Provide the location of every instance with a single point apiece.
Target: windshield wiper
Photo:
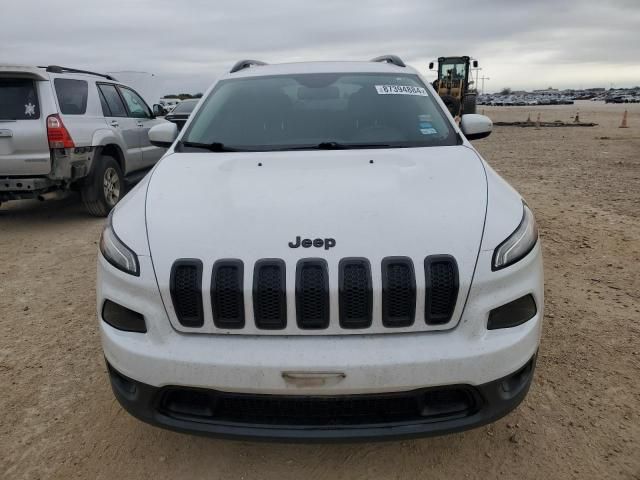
(220, 147)
(213, 147)
(336, 146)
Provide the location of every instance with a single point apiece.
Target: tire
(469, 103)
(452, 104)
(104, 188)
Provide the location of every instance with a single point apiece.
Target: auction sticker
(401, 90)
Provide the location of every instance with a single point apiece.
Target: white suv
(321, 254)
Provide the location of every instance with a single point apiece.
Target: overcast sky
(188, 43)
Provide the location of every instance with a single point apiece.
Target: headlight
(116, 252)
(518, 244)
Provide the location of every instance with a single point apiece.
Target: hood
(411, 202)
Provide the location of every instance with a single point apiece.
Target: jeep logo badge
(327, 243)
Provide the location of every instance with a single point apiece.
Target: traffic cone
(624, 120)
(577, 119)
(538, 122)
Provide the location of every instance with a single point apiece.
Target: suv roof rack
(242, 64)
(394, 59)
(59, 69)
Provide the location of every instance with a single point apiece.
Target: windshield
(294, 111)
(185, 107)
(454, 70)
(18, 99)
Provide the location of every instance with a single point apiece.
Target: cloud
(190, 43)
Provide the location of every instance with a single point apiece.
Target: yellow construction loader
(453, 84)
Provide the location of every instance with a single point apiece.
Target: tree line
(183, 96)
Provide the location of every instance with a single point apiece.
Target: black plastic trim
(187, 321)
(394, 59)
(512, 314)
(262, 323)
(323, 321)
(387, 320)
(495, 400)
(123, 318)
(59, 69)
(218, 320)
(353, 323)
(430, 318)
(242, 64)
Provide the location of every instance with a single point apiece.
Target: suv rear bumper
(17, 184)
(438, 410)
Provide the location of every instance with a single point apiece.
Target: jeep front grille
(398, 292)
(186, 292)
(351, 296)
(355, 294)
(312, 294)
(269, 297)
(441, 287)
(227, 298)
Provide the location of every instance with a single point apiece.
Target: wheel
(104, 188)
(452, 104)
(469, 103)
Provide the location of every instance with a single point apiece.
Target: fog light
(122, 318)
(513, 313)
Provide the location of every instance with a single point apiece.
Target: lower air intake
(319, 411)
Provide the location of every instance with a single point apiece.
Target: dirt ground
(581, 419)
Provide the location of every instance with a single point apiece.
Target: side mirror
(158, 110)
(430, 65)
(475, 126)
(163, 135)
(475, 64)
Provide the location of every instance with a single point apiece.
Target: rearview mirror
(475, 64)
(430, 65)
(163, 135)
(476, 126)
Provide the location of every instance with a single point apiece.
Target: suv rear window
(18, 99)
(72, 95)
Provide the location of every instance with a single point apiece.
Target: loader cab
(453, 69)
(452, 84)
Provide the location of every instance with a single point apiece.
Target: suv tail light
(57, 134)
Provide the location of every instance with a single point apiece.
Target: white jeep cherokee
(321, 254)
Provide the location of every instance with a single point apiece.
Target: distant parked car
(169, 103)
(180, 114)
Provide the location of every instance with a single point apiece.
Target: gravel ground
(580, 420)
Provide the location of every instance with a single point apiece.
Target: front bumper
(418, 413)
(250, 366)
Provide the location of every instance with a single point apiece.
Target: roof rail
(394, 59)
(59, 69)
(242, 64)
